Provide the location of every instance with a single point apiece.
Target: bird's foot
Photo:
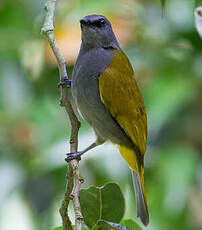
(71, 156)
(65, 82)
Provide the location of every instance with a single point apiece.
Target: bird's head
(198, 19)
(97, 32)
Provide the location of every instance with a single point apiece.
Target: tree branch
(73, 178)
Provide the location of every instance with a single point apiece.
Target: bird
(198, 20)
(106, 95)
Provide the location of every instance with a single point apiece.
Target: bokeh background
(166, 53)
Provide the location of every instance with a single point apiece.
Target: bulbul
(107, 96)
(198, 19)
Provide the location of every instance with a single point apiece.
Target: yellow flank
(129, 156)
(121, 96)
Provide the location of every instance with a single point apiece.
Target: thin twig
(73, 178)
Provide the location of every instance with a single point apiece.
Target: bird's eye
(99, 23)
(102, 21)
(199, 12)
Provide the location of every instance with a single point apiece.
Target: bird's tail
(138, 179)
(141, 202)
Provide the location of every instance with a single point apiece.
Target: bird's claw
(71, 156)
(65, 82)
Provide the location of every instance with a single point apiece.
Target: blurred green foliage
(166, 53)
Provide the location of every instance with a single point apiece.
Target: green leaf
(101, 225)
(106, 203)
(131, 224)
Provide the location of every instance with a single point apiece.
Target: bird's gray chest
(85, 81)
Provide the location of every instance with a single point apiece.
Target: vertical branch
(73, 178)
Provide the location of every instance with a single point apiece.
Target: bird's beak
(84, 22)
(86, 25)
